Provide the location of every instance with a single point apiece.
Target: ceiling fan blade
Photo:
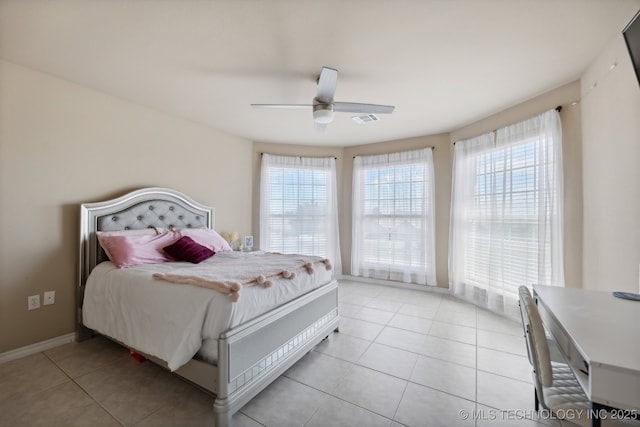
(281, 105)
(327, 85)
(320, 127)
(354, 107)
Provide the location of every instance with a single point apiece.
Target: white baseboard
(37, 347)
(395, 284)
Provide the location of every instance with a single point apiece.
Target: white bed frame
(250, 356)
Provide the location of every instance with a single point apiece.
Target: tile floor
(402, 357)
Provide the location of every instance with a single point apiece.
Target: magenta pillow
(186, 249)
(206, 237)
(127, 250)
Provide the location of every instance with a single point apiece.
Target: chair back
(537, 345)
(523, 292)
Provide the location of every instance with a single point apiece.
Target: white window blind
(393, 223)
(298, 206)
(506, 213)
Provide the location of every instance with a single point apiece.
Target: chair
(557, 359)
(561, 373)
(556, 387)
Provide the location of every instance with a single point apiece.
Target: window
(298, 206)
(393, 228)
(506, 215)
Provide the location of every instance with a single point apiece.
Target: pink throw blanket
(244, 269)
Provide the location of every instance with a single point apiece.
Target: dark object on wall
(631, 35)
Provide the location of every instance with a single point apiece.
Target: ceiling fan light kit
(323, 113)
(324, 106)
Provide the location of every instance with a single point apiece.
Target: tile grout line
(116, 419)
(408, 381)
(475, 421)
(427, 356)
(339, 398)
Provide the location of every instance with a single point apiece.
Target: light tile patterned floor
(402, 357)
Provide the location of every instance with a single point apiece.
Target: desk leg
(595, 421)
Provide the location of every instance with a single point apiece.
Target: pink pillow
(206, 237)
(139, 232)
(185, 249)
(128, 250)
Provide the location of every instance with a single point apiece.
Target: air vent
(365, 118)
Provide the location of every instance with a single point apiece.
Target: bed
(234, 362)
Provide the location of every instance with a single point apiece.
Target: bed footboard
(254, 354)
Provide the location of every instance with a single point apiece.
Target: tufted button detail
(139, 218)
(150, 208)
(114, 218)
(170, 208)
(180, 217)
(126, 228)
(161, 217)
(171, 227)
(188, 225)
(197, 216)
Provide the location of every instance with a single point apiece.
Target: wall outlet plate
(33, 302)
(49, 297)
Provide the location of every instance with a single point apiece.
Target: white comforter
(172, 321)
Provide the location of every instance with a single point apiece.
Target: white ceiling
(442, 63)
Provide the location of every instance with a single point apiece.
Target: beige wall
(572, 158)
(63, 144)
(611, 159)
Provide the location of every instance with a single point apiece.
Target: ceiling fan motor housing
(323, 113)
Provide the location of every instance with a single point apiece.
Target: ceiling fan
(324, 106)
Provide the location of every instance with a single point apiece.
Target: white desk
(600, 337)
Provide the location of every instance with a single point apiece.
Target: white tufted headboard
(144, 208)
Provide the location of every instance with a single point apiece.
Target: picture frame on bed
(248, 243)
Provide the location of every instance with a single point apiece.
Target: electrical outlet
(33, 302)
(49, 298)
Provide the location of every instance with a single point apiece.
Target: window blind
(393, 231)
(298, 206)
(506, 213)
